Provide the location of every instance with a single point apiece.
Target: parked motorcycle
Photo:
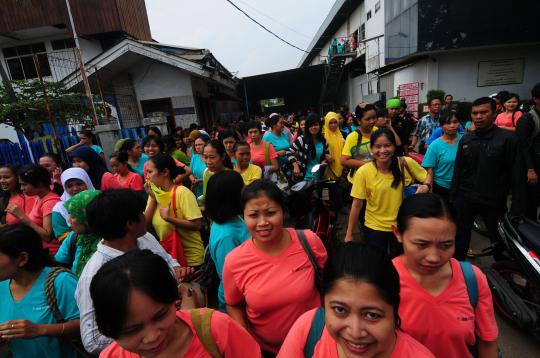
(515, 280)
(309, 206)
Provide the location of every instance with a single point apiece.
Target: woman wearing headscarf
(74, 180)
(81, 243)
(335, 142)
(87, 159)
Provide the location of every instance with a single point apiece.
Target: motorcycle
(515, 280)
(309, 206)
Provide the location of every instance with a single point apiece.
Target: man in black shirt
(528, 133)
(488, 167)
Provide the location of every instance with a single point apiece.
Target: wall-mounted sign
(185, 110)
(410, 92)
(500, 72)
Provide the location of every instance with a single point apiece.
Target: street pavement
(514, 343)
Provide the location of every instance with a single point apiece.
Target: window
(363, 31)
(20, 61)
(377, 6)
(368, 15)
(62, 44)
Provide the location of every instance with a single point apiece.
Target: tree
(28, 109)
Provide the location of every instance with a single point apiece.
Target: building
(407, 47)
(132, 76)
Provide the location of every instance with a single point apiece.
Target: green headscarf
(87, 241)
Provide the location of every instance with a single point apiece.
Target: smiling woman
(269, 280)
(134, 297)
(359, 316)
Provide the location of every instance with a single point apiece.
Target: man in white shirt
(117, 216)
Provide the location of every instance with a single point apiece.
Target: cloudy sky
(237, 42)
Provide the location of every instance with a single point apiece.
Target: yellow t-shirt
(252, 173)
(186, 208)
(383, 201)
(352, 148)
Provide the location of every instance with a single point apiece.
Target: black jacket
(488, 167)
(530, 146)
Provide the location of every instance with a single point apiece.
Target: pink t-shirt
(43, 207)
(446, 323)
(26, 203)
(276, 289)
(131, 181)
(293, 347)
(505, 120)
(231, 339)
(257, 153)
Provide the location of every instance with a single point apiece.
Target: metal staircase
(333, 73)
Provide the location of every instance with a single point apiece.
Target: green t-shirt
(356, 150)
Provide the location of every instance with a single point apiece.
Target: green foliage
(29, 110)
(435, 94)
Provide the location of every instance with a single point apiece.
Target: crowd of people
(180, 246)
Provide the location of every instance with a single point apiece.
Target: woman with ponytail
(380, 185)
(27, 321)
(173, 212)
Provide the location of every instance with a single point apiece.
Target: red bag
(172, 243)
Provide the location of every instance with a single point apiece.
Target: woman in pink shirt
(269, 280)
(123, 176)
(360, 313)
(263, 153)
(36, 181)
(134, 298)
(510, 115)
(9, 182)
(435, 305)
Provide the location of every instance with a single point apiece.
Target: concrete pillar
(108, 136)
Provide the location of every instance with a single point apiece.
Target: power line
(274, 20)
(265, 28)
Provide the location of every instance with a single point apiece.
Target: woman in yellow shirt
(249, 172)
(173, 207)
(380, 184)
(356, 150)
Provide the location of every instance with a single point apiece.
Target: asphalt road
(513, 342)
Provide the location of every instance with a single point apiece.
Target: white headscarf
(68, 174)
(74, 173)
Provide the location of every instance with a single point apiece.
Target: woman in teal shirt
(441, 155)
(223, 206)
(197, 165)
(136, 157)
(279, 140)
(26, 319)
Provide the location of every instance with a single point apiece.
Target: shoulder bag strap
(311, 257)
(401, 169)
(267, 153)
(201, 323)
(173, 201)
(50, 293)
(470, 282)
(315, 333)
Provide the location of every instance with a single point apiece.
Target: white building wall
(374, 28)
(457, 73)
(62, 62)
(162, 81)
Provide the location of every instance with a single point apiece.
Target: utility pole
(86, 85)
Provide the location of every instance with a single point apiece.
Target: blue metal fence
(29, 151)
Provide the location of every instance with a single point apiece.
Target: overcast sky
(237, 42)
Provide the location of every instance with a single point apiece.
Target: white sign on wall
(500, 72)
